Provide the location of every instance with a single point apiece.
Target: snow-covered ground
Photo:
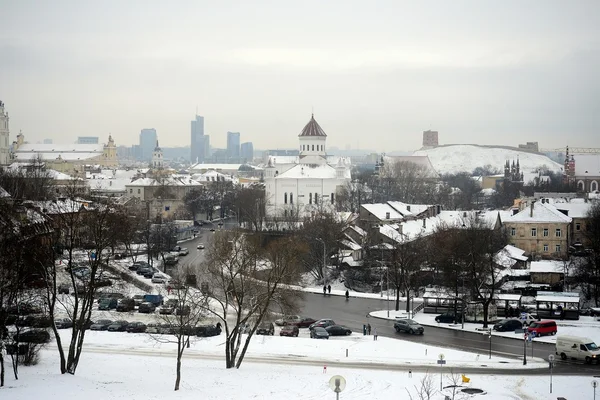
(121, 365)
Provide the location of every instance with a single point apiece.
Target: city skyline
(487, 73)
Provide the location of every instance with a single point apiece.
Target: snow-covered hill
(465, 158)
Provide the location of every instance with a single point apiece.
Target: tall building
(148, 139)
(247, 152)
(4, 135)
(430, 139)
(233, 145)
(199, 142)
(87, 140)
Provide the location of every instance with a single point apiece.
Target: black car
(507, 325)
(448, 318)
(63, 323)
(118, 326)
(319, 333)
(145, 270)
(146, 307)
(265, 328)
(208, 330)
(338, 330)
(101, 325)
(136, 327)
(33, 336)
(125, 305)
(408, 326)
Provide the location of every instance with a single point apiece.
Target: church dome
(312, 128)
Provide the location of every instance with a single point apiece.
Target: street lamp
(594, 385)
(551, 365)
(525, 349)
(490, 337)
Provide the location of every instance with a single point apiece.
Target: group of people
(327, 290)
(367, 331)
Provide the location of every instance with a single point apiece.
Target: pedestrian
(329, 288)
(369, 329)
(347, 295)
(324, 290)
(374, 333)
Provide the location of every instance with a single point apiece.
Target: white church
(307, 183)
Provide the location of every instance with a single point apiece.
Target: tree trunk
(486, 306)
(398, 298)
(1, 369)
(180, 347)
(408, 300)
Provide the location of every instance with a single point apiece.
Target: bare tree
(247, 281)
(425, 389)
(405, 261)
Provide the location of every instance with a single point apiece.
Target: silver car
(319, 333)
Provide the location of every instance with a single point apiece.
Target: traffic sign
(523, 316)
(441, 362)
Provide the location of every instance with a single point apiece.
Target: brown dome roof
(312, 128)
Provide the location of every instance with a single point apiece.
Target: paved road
(353, 313)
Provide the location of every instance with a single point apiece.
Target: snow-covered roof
(381, 210)
(359, 230)
(4, 193)
(169, 181)
(212, 176)
(509, 256)
(508, 296)
(301, 171)
(576, 208)
(350, 244)
(59, 176)
(61, 206)
(217, 167)
(50, 152)
(408, 209)
(542, 212)
(558, 297)
(547, 266)
(437, 293)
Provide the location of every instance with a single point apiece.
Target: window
(285, 213)
(577, 227)
(331, 198)
(558, 232)
(285, 198)
(545, 232)
(130, 191)
(291, 198)
(139, 191)
(315, 198)
(513, 231)
(534, 232)
(557, 248)
(545, 248)
(310, 198)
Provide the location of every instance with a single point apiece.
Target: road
(353, 313)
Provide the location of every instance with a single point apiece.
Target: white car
(200, 246)
(159, 278)
(529, 318)
(183, 251)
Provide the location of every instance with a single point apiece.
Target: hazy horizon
(376, 75)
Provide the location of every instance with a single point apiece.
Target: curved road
(354, 313)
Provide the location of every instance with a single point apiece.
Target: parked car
(169, 306)
(144, 270)
(544, 327)
(137, 265)
(288, 320)
(338, 330)
(32, 336)
(149, 274)
(448, 318)
(182, 310)
(182, 251)
(289, 330)
(152, 327)
(155, 299)
(200, 246)
(159, 278)
(126, 305)
(508, 325)
(528, 320)
(208, 330)
(101, 325)
(138, 299)
(118, 326)
(166, 329)
(171, 259)
(305, 322)
(579, 348)
(322, 323)
(109, 295)
(408, 326)
(63, 323)
(64, 288)
(265, 328)
(146, 307)
(107, 304)
(318, 332)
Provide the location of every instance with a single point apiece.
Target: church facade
(296, 187)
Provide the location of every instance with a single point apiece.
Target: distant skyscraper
(200, 143)
(147, 143)
(4, 135)
(87, 140)
(247, 152)
(233, 145)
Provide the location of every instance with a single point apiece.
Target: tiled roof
(312, 128)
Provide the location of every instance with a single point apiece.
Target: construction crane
(573, 150)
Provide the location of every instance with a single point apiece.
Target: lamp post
(387, 288)
(594, 385)
(490, 337)
(525, 349)
(551, 365)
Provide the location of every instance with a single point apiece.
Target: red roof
(312, 128)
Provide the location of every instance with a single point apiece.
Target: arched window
(580, 186)
(291, 198)
(285, 198)
(594, 186)
(313, 147)
(310, 198)
(316, 198)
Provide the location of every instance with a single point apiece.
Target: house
(549, 272)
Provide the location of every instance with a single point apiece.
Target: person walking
(329, 288)
(369, 329)
(347, 295)
(374, 333)
(324, 290)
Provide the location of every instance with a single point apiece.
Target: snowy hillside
(465, 158)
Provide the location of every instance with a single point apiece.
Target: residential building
(246, 152)
(148, 139)
(4, 136)
(88, 139)
(163, 196)
(310, 182)
(233, 146)
(199, 142)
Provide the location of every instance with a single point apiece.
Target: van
(541, 328)
(578, 348)
(155, 299)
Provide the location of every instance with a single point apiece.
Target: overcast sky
(376, 73)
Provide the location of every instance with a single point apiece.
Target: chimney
(438, 209)
(531, 209)
(387, 215)
(399, 230)
(407, 208)
(515, 211)
(424, 222)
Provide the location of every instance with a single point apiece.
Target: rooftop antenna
(312, 111)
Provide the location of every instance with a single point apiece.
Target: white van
(579, 348)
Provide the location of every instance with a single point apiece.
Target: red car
(289, 330)
(541, 328)
(304, 322)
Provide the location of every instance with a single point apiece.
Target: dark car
(266, 328)
(338, 330)
(448, 318)
(145, 270)
(107, 304)
(322, 323)
(408, 326)
(289, 330)
(304, 322)
(319, 333)
(23, 309)
(146, 307)
(155, 299)
(101, 325)
(136, 327)
(169, 306)
(63, 323)
(137, 265)
(32, 336)
(208, 330)
(118, 326)
(138, 299)
(508, 325)
(126, 305)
